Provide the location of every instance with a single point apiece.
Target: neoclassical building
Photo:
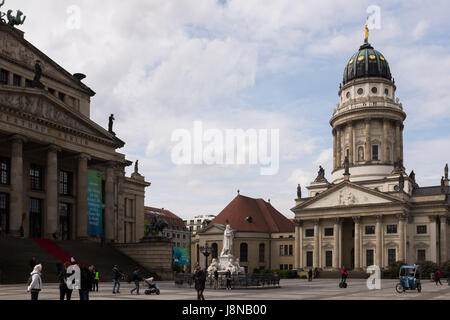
(60, 173)
(372, 212)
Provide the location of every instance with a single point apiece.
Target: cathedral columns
(397, 141)
(317, 250)
(402, 239)
(433, 239)
(335, 162)
(337, 232)
(298, 245)
(357, 255)
(82, 196)
(16, 197)
(338, 148)
(379, 243)
(444, 239)
(385, 141)
(109, 202)
(51, 192)
(351, 143)
(367, 156)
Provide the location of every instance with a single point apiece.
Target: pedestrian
(85, 283)
(216, 279)
(228, 278)
(344, 275)
(32, 263)
(62, 278)
(136, 278)
(35, 282)
(116, 275)
(316, 273)
(437, 277)
(199, 279)
(310, 274)
(96, 279)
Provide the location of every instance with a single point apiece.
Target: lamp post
(206, 252)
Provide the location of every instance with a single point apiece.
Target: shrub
(394, 269)
(428, 268)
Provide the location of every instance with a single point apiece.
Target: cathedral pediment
(42, 106)
(15, 48)
(344, 195)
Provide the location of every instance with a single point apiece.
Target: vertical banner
(95, 225)
(181, 256)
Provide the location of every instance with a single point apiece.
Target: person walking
(310, 275)
(437, 277)
(316, 273)
(344, 275)
(62, 278)
(35, 285)
(136, 278)
(199, 279)
(96, 279)
(85, 283)
(228, 278)
(116, 275)
(216, 279)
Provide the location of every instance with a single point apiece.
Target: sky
(161, 65)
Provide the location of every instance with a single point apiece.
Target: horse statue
(155, 227)
(15, 20)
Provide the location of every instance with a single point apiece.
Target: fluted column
(379, 244)
(336, 244)
(397, 141)
(434, 256)
(338, 148)
(385, 141)
(316, 244)
(402, 237)
(357, 251)
(335, 149)
(367, 152)
(401, 140)
(443, 240)
(109, 202)
(51, 192)
(17, 190)
(351, 151)
(298, 245)
(82, 196)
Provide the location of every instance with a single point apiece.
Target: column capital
(316, 222)
(356, 219)
(111, 164)
(432, 218)
(379, 218)
(18, 138)
(337, 220)
(298, 223)
(53, 148)
(402, 216)
(84, 156)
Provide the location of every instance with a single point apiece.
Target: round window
(374, 90)
(348, 95)
(360, 91)
(386, 92)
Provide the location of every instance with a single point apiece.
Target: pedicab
(409, 278)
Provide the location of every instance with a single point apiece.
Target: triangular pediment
(213, 229)
(18, 50)
(41, 105)
(346, 194)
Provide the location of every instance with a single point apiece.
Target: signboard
(95, 223)
(181, 256)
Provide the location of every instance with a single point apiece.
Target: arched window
(262, 249)
(243, 252)
(214, 253)
(198, 254)
(361, 154)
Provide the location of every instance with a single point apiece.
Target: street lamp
(206, 252)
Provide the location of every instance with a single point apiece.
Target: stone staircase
(15, 255)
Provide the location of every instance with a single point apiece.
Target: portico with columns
(371, 212)
(48, 144)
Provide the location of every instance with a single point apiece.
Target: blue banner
(95, 223)
(181, 256)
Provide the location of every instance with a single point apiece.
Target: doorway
(4, 212)
(35, 218)
(64, 221)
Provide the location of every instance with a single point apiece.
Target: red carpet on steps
(56, 251)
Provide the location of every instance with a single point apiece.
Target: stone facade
(48, 144)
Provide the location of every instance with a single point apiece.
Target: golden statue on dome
(366, 33)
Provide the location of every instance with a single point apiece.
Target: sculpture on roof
(446, 171)
(320, 175)
(227, 241)
(15, 20)
(2, 14)
(346, 166)
(111, 123)
(37, 75)
(401, 182)
(299, 192)
(155, 227)
(136, 166)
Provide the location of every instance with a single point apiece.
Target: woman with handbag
(36, 282)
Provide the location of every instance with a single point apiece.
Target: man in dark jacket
(116, 276)
(199, 279)
(136, 278)
(86, 283)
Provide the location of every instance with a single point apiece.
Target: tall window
(391, 228)
(309, 233)
(281, 250)
(370, 229)
(36, 177)
(214, 253)
(291, 250)
(65, 183)
(309, 258)
(375, 153)
(329, 232)
(421, 229)
(329, 258)
(4, 171)
(421, 255)
(286, 250)
(244, 252)
(16, 80)
(4, 212)
(3, 76)
(262, 251)
(369, 257)
(392, 256)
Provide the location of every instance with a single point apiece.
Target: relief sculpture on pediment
(346, 198)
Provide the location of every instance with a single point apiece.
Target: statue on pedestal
(299, 192)
(227, 241)
(213, 267)
(320, 175)
(111, 123)
(446, 171)
(37, 75)
(346, 166)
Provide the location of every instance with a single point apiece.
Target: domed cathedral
(372, 212)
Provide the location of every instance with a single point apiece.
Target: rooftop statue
(446, 171)
(2, 14)
(320, 175)
(136, 166)
(111, 123)
(346, 166)
(15, 20)
(299, 192)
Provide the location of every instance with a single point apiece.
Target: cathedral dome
(367, 62)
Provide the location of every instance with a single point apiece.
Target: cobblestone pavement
(295, 289)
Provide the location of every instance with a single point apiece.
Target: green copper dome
(367, 62)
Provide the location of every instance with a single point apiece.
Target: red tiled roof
(171, 218)
(265, 218)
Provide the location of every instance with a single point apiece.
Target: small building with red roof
(263, 237)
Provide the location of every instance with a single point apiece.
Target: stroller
(151, 287)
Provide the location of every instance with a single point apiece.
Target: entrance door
(4, 212)
(309, 258)
(369, 257)
(64, 221)
(35, 218)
